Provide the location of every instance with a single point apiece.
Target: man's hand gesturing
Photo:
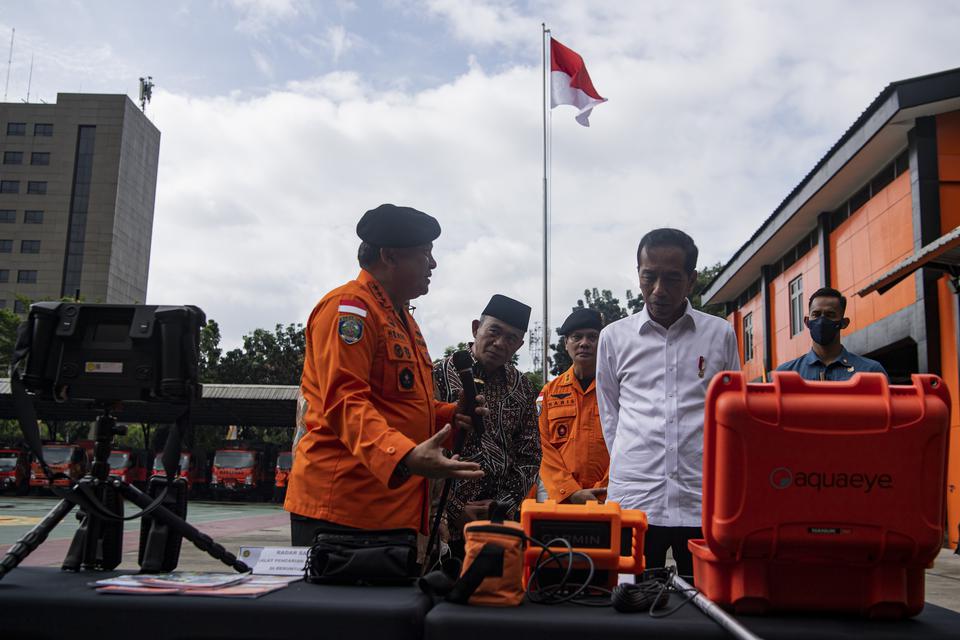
(427, 460)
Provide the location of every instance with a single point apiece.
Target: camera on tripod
(112, 355)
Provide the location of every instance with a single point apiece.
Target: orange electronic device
(612, 537)
(822, 496)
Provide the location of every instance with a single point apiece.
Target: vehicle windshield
(8, 461)
(233, 459)
(118, 459)
(57, 455)
(285, 461)
(184, 462)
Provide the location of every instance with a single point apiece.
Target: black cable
(566, 589)
(633, 598)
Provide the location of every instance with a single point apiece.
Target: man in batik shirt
(509, 448)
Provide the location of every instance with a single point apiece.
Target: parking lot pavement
(236, 524)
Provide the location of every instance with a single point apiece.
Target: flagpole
(546, 333)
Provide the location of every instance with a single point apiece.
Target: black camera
(106, 352)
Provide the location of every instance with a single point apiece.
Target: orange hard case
(822, 496)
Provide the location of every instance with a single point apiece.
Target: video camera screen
(101, 352)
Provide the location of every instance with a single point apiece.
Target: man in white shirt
(653, 369)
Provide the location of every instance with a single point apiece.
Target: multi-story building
(77, 186)
(876, 218)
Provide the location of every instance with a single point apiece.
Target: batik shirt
(509, 448)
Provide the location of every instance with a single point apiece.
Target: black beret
(581, 319)
(514, 313)
(394, 227)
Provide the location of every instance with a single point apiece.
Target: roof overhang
(220, 404)
(943, 254)
(877, 136)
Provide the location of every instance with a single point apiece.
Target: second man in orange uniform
(575, 463)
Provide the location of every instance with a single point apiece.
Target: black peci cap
(514, 313)
(393, 227)
(581, 319)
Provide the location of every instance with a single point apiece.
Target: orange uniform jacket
(574, 453)
(367, 379)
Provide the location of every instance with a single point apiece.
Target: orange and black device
(612, 537)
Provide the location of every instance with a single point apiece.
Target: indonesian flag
(570, 83)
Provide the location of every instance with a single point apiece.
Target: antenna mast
(30, 78)
(6, 86)
(146, 92)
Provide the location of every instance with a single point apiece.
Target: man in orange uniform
(575, 462)
(373, 428)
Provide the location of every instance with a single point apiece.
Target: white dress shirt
(651, 397)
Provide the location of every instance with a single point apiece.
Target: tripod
(97, 544)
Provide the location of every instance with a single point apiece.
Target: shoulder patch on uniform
(539, 404)
(354, 306)
(350, 329)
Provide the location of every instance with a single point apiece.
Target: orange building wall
(948, 166)
(754, 368)
(874, 239)
(948, 160)
(786, 348)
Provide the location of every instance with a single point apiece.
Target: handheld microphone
(463, 363)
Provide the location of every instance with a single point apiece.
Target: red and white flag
(570, 83)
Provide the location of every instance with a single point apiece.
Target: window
(6, 246)
(3, 303)
(77, 219)
(748, 337)
(29, 246)
(32, 216)
(19, 306)
(9, 186)
(8, 215)
(796, 306)
(43, 129)
(37, 186)
(16, 128)
(40, 158)
(27, 276)
(4, 275)
(13, 157)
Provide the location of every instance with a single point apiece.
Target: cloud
(486, 23)
(263, 64)
(715, 113)
(339, 41)
(258, 16)
(716, 110)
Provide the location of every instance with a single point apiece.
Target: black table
(45, 603)
(572, 622)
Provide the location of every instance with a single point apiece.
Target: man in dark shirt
(509, 449)
(828, 359)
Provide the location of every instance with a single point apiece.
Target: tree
(265, 358)
(9, 321)
(704, 278)
(210, 350)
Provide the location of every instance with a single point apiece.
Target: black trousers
(302, 529)
(659, 539)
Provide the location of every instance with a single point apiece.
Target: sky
(282, 121)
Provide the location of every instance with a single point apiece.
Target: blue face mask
(824, 330)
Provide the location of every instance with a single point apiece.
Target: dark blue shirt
(844, 367)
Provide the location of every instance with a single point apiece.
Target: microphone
(463, 363)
